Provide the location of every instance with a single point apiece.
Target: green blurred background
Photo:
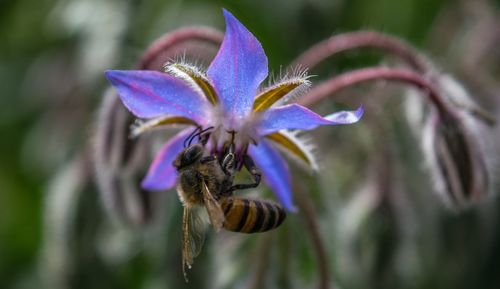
(52, 57)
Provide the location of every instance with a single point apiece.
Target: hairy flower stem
(306, 210)
(362, 39)
(178, 37)
(355, 77)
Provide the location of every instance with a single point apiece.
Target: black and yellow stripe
(251, 216)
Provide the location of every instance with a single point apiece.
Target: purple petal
(346, 117)
(238, 69)
(275, 171)
(162, 175)
(294, 116)
(149, 94)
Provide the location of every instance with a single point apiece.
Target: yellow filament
(292, 147)
(267, 98)
(200, 80)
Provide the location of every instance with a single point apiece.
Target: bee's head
(188, 156)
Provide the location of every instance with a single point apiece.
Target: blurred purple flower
(228, 99)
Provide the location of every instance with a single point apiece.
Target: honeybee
(204, 181)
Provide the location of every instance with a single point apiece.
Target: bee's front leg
(208, 159)
(228, 164)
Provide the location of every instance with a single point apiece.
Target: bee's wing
(193, 236)
(215, 212)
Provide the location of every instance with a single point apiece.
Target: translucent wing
(214, 210)
(193, 236)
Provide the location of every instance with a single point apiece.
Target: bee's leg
(254, 171)
(207, 159)
(228, 146)
(228, 164)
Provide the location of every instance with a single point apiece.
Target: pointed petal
(238, 69)
(149, 94)
(295, 116)
(346, 117)
(162, 175)
(278, 92)
(275, 171)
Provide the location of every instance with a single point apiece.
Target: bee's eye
(191, 155)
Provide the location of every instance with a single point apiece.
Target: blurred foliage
(52, 57)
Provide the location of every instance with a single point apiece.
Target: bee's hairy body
(240, 214)
(191, 179)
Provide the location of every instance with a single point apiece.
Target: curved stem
(176, 37)
(392, 45)
(355, 77)
(354, 40)
(306, 209)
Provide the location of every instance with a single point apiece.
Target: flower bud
(456, 160)
(120, 163)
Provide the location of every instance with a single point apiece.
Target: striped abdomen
(251, 216)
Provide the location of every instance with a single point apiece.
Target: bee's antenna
(205, 134)
(198, 134)
(190, 136)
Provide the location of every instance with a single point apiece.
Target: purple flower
(229, 99)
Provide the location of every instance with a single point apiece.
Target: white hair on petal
(172, 68)
(305, 144)
(140, 126)
(143, 126)
(295, 75)
(182, 59)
